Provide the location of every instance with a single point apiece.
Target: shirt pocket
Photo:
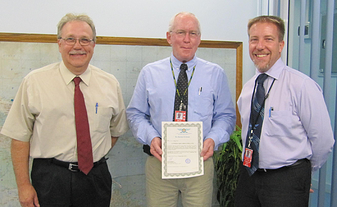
(281, 124)
(203, 102)
(102, 119)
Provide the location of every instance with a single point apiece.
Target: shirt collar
(275, 70)
(190, 64)
(69, 76)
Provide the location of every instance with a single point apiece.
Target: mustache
(77, 53)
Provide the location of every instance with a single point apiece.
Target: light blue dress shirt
(296, 122)
(209, 100)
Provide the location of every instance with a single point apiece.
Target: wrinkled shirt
(43, 112)
(296, 122)
(209, 100)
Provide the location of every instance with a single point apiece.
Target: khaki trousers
(195, 192)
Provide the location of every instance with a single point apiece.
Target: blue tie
(256, 119)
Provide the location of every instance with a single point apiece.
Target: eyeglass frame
(183, 33)
(75, 40)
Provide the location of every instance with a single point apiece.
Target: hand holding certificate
(182, 143)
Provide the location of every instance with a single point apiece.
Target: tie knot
(183, 67)
(77, 80)
(261, 78)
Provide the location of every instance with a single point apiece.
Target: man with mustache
(44, 124)
(286, 129)
(157, 98)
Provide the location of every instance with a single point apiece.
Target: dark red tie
(84, 147)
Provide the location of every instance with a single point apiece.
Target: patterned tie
(257, 114)
(181, 98)
(84, 147)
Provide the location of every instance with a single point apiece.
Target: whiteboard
(122, 57)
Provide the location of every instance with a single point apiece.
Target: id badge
(180, 116)
(247, 161)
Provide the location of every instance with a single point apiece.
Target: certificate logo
(183, 130)
(188, 161)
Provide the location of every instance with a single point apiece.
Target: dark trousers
(57, 186)
(284, 187)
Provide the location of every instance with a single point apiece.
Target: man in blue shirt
(295, 132)
(209, 101)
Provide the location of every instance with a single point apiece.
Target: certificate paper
(182, 143)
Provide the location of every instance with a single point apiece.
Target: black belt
(298, 162)
(73, 166)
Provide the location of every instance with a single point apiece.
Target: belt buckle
(71, 165)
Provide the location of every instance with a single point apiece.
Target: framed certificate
(182, 143)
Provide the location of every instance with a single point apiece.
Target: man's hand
(28, 196)
(113, 141)
(208, 149)
(311, 190)
(155, 148)
(20, 159)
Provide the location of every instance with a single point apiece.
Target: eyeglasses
(72, 41)
(182, 33)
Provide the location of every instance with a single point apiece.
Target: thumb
(36, 202)
(203, 151)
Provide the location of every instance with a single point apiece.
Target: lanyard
(250, 137)
(175, 82)
(251, 104)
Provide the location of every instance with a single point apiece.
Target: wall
(220, 19)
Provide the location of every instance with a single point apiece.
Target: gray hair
(171, 23)
(73, 17)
